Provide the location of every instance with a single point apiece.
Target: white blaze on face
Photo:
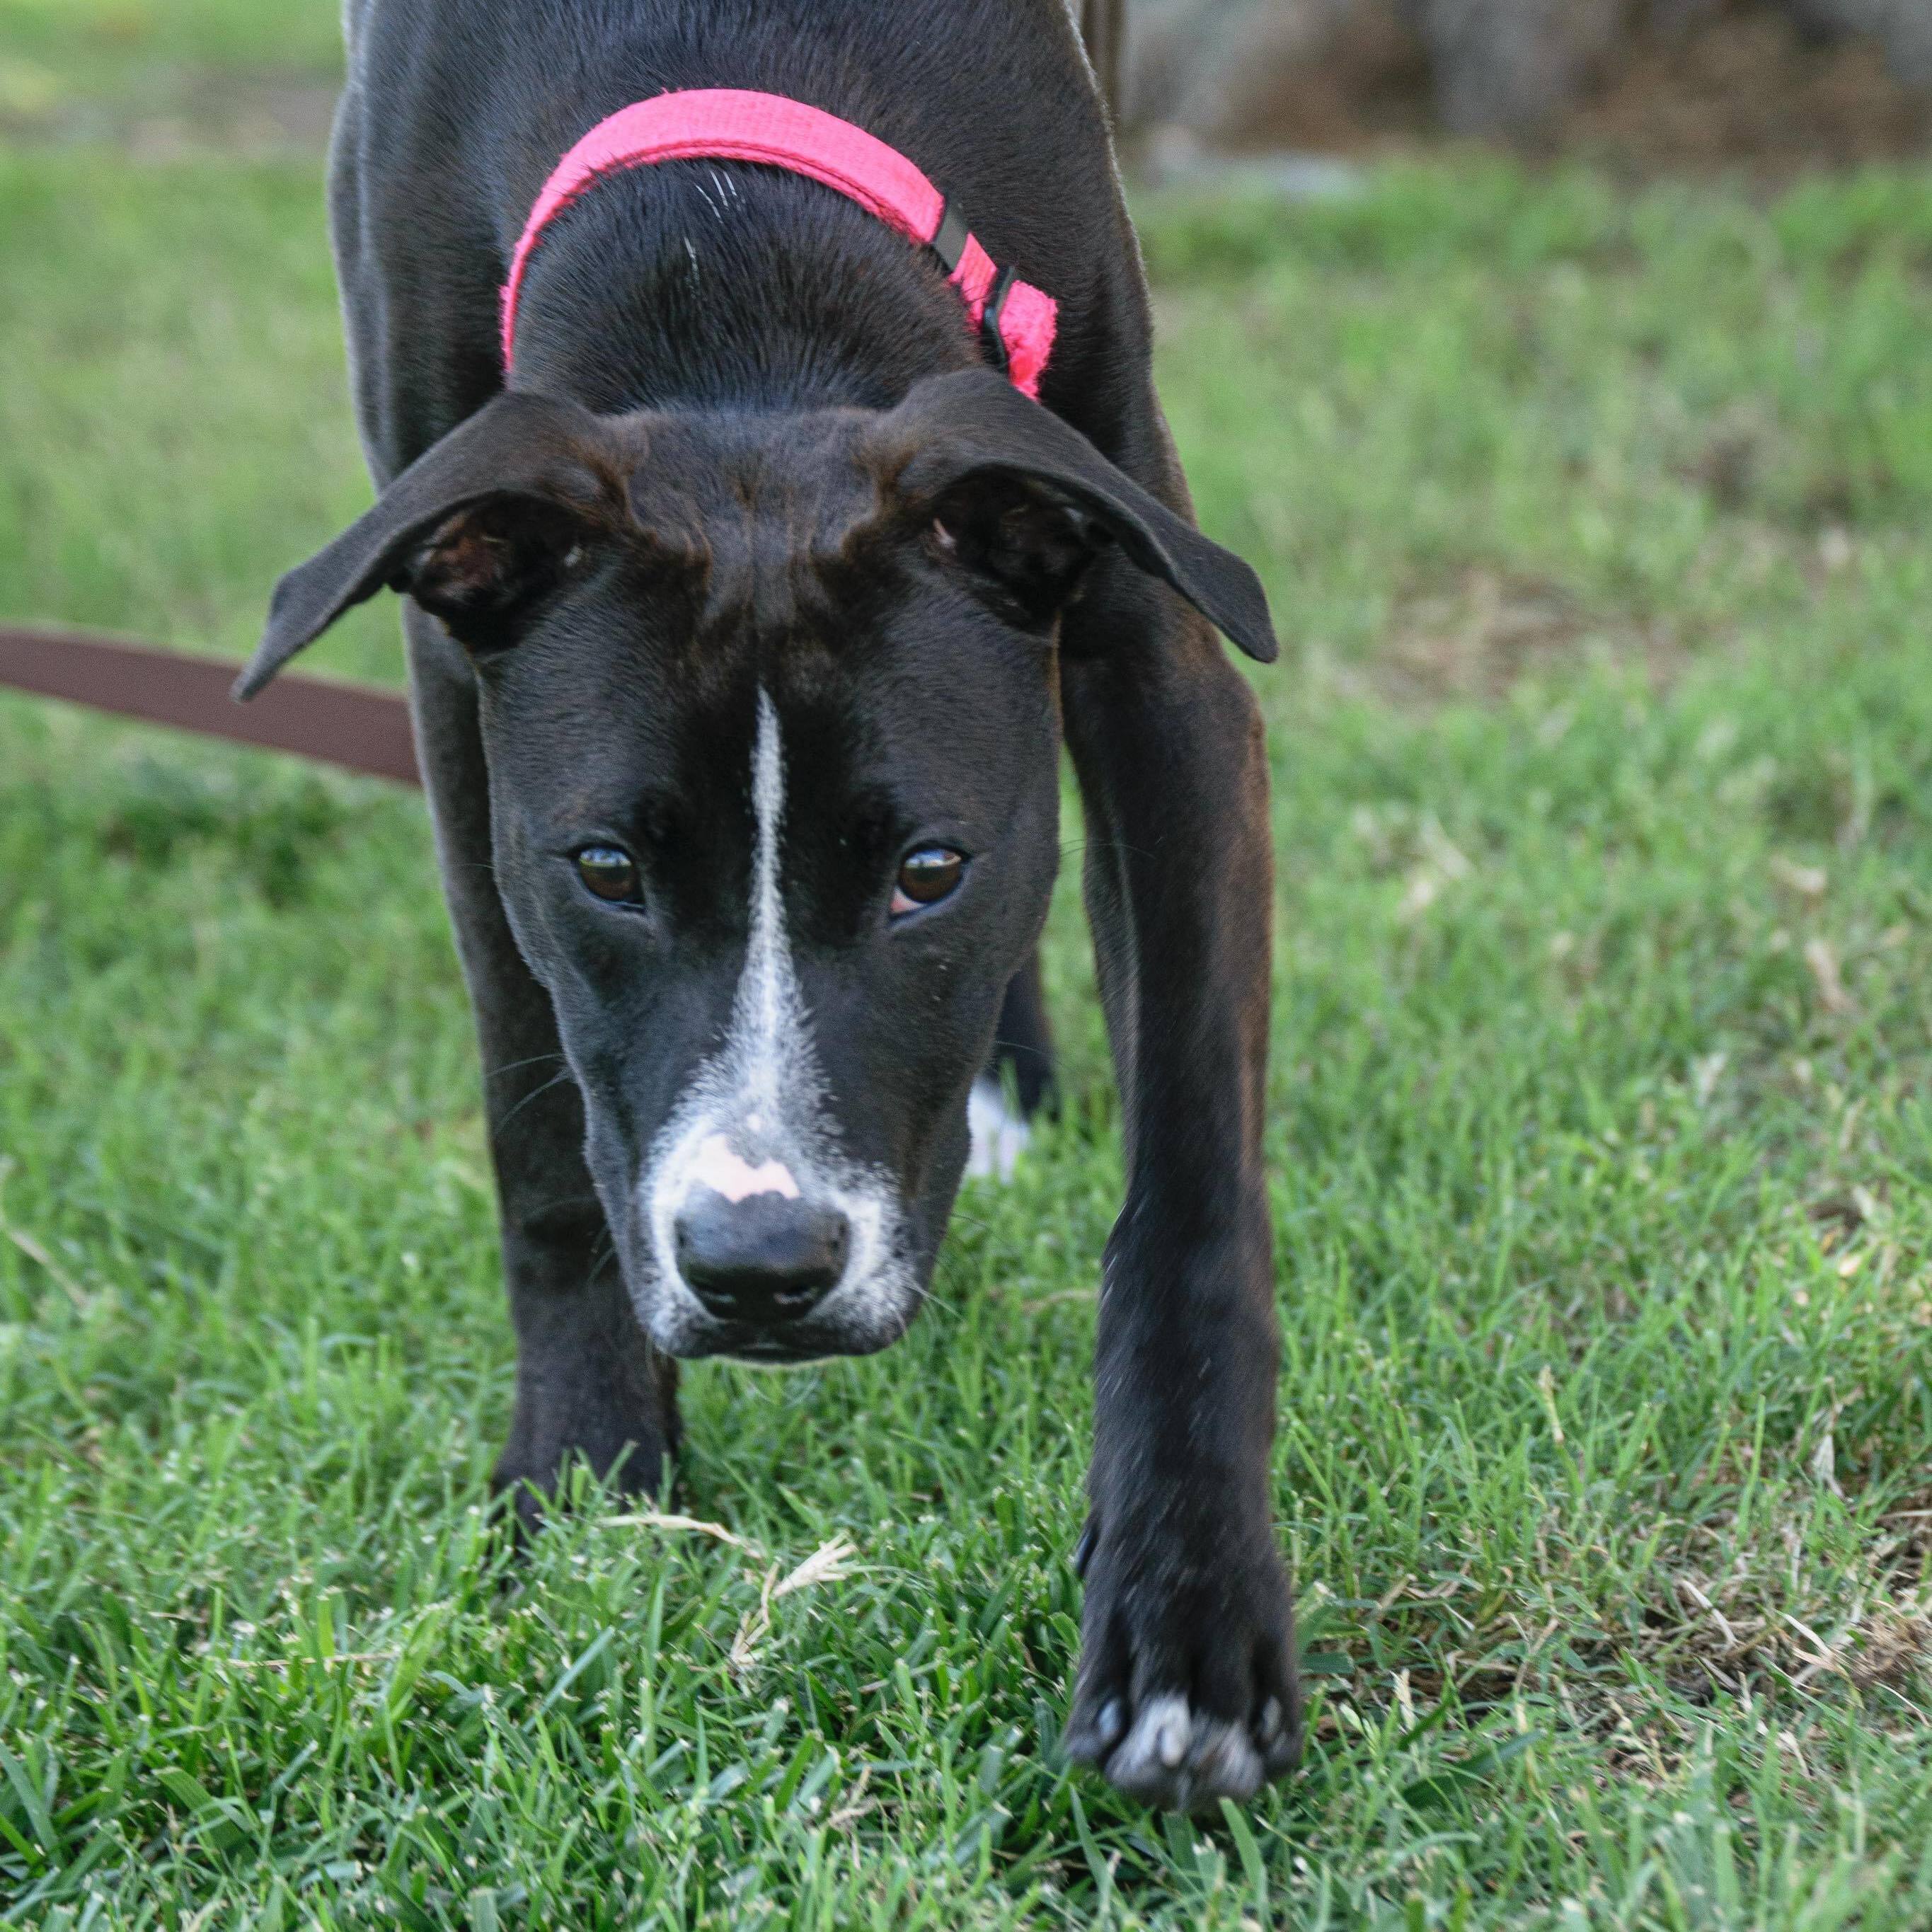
(753, 1120)
(769, 980)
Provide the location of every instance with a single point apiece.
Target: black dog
(743, 627)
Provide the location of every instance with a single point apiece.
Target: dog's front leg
(1186, 1689)
(589, 1386)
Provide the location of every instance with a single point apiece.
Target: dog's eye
(926, 877)
(608, 873)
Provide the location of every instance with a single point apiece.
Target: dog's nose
(767, 1259)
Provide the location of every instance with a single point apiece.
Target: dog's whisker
(564, 1200)
(535, 1093)
(516, 1066)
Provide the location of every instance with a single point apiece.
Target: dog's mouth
(692, 1335)
(776, 1351)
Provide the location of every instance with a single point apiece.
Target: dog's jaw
(755, 1115)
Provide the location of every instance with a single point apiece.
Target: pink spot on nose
(718, 1166)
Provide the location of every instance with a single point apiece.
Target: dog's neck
(720, 285)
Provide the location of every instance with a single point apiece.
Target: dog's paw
(999, 1134)
(533, 1486)
(1186, 1692)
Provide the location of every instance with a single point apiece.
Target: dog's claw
(1270, 1723)
(1184, 1759)
(1112, 1721)
(1090, 1736)
(1171, 1734)
(1083, 1550)
(1280, 1743)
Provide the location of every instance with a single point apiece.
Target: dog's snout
(766, 1260)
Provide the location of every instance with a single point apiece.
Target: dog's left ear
(1025, 499)
(472, 529)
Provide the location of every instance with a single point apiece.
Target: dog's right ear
(472, 529)
(1002, 474)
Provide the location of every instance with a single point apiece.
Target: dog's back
(456, 110)
(1101, 24)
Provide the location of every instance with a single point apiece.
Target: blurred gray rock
(1191, 63)
(1217, 68)
(1510, 67)
(1904, 28)
(1225, 72)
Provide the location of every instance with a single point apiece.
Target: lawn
(1600, 1134)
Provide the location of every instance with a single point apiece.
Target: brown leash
(353, 725)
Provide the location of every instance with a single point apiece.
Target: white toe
(1174, 1756)
(999, 1136)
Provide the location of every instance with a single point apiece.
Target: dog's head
(770, 709)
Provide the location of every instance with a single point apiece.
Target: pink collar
(1015, 321)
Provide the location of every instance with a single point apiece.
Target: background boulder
(1316, 73)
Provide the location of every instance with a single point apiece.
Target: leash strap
(352, 725)
(1014, 320)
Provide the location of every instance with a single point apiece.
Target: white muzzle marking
(753, 1120)
(718, 1166)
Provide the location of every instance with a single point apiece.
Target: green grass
(227, 33)
(123, 58)
(1601, 1139)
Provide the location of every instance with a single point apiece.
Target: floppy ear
(1025, 499)
(472, 529)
